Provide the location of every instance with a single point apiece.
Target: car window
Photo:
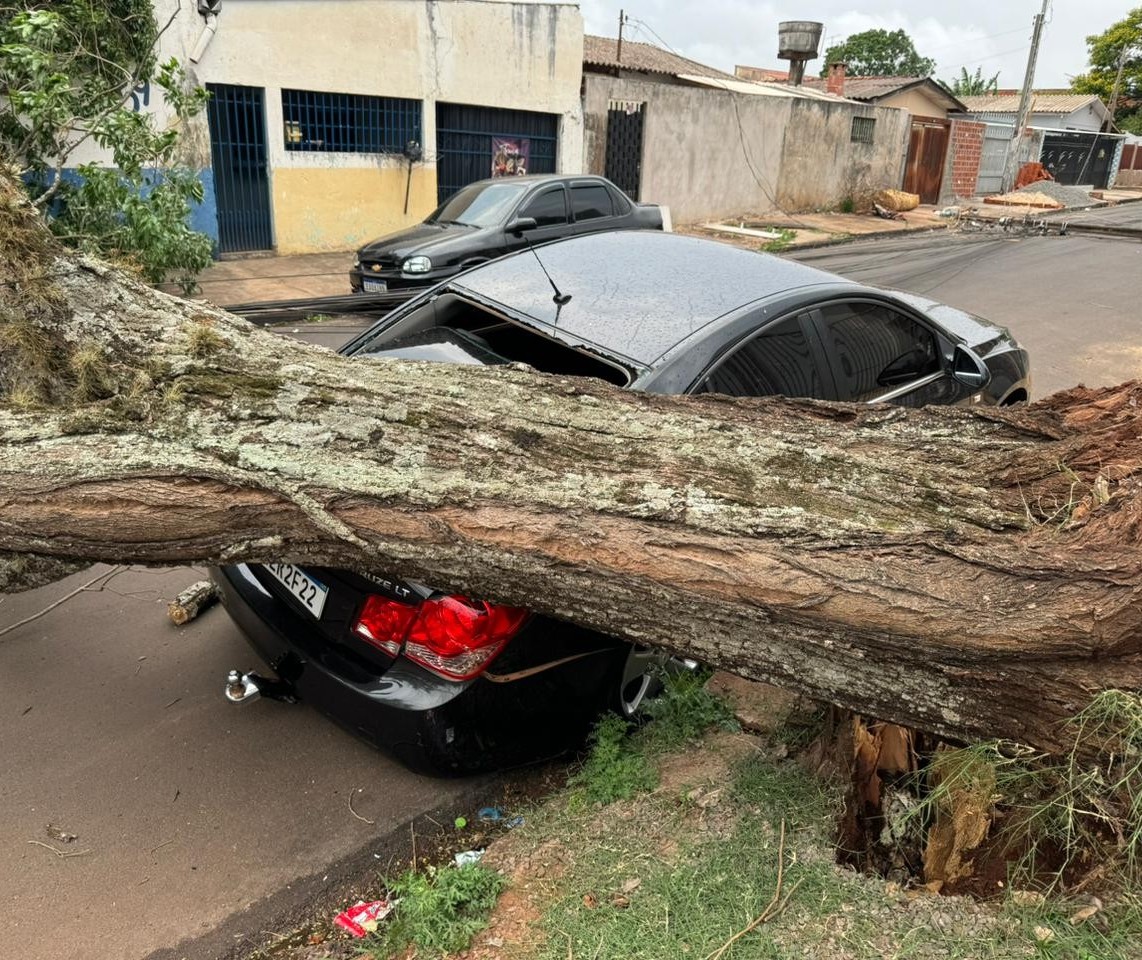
(875, 349)
(778, 360)
(480, 204)
(590, 201)
(548, 208)
(621, 203)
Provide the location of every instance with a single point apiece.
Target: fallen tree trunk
(973, 573)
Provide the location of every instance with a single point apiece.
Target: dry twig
(106, 574)
(371, 823)
(772, 909)
(62, 854)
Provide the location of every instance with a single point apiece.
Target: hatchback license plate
(375, 286)
(308, 591)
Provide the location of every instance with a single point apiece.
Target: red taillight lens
(457, 637)
(384, 622)
(452, 636)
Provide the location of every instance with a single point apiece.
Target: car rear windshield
(437, 327)
(480, 205)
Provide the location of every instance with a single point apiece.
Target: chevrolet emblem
(376, 268)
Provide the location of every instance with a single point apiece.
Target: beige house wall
(917, 102)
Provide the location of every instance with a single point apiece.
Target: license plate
(308, 591)
(374, 286)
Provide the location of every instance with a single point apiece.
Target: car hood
(424, 238)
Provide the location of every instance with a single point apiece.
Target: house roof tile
(1061, 103)
(645, 57)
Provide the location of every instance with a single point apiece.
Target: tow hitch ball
(245, 687)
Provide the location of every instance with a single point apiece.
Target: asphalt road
(187, 808)
(190, 811)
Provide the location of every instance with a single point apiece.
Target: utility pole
(1117, 84)
(619, 51)
(1012, 165)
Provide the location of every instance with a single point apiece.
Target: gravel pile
(1071, 197)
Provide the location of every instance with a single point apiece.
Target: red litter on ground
(362, 918)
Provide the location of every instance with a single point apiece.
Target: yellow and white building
(336, 121)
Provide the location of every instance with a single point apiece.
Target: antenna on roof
(560, 299)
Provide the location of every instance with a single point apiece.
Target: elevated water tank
(797, 42)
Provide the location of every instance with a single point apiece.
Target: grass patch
(678, 872)
(440, 910)
(615, 768)
(782, 242)
(620, 763)
(704, 873)
(684, 711)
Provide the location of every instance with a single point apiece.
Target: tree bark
(970, 572)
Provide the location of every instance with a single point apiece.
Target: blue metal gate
(464, 142)
(237, 117)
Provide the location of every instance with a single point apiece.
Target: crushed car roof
(636, 294)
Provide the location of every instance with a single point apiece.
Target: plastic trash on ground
(362, 918)
(496, 815)
(467, 857)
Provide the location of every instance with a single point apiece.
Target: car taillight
(457, 637)
(452, 636)
(384, 622)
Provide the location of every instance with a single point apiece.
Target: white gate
(996, 142)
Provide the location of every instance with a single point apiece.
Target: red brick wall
(964, 153)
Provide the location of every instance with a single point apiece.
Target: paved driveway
(113, 726)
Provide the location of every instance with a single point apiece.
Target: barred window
(863, 128)
(348, 122)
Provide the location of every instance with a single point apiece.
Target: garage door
(471, 141)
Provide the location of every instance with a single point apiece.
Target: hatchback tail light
(452, 636)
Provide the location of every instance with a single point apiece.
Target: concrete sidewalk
(255, 279)
(813, 229)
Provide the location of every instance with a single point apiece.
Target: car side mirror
(969, 369)
(520, 224)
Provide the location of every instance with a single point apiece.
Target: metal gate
(237, 117)
(996, 142)
(623, 164)
(927, 148)
(1083, 158)
(467, 139)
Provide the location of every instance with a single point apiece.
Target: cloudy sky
(992, 34)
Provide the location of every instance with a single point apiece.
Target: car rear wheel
(641, 678)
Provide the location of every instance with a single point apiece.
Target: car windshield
(480, 205)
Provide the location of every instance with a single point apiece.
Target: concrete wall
(821, 166)
(788, 153)
(513, 54)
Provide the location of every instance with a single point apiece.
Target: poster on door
(510, 157)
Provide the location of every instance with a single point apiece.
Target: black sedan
(454, 684)
(487, 219)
